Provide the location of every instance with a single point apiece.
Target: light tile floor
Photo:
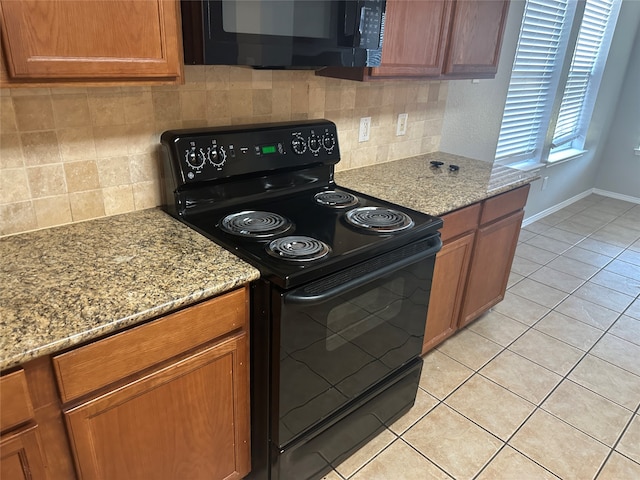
(546, 384)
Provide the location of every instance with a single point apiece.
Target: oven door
(275, 33)
(341, 336)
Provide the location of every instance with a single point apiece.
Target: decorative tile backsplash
(73, 154)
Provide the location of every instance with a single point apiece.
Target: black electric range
(280, 171)
(338, 316)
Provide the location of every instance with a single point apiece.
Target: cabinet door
(76, 39)
(416, 33)
(476, 37)
(20, 456)
(449, 277)
(187, 420)
(493, 253)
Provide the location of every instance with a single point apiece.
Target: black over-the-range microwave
(283, 33)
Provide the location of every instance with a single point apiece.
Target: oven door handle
(322, 290)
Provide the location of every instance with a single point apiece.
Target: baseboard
(586, 193)
(555, 208)
(617, 196)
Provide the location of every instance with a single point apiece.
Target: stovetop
(278, 170)
(348, 244)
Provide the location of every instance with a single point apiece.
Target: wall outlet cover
(401, 127)
(365, 129)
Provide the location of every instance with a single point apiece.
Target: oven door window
(334, 350)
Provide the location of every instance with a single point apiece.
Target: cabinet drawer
(503, 204)
(98, 364)
(15, 404)
(461, 221)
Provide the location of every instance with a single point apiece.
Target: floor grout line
(615, 445)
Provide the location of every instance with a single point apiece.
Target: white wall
(619, 168)
(474, 112)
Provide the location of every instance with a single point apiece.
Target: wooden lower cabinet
(187, 420)
(489, 272)
(472, 269)
(21, 456)
(174, 402)
(20, 443)
(449, 278)
(163, 400)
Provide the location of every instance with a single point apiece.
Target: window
(556, 73)
(585, 73)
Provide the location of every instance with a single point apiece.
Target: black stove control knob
(314, 144)
(298, 144)
(328, 142)
(196, 160)
(213, 155)
(218, 157)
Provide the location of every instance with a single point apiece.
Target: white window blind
(533, 83)
(536, 107)
(585, 72)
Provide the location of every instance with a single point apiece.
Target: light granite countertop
(66, 285)
(414, 183)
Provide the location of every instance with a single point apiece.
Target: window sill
(522, 165)
(564, 156)
(526, 166)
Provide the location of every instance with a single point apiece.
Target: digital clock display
(267, 149)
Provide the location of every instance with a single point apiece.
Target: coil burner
(379, 219)
(255, 224)
(334, 199)
(298, 248)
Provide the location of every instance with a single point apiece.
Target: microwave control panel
(371, 24)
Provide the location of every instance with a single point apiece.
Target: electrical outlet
(401, 126)
(545, 183)
(365, 129)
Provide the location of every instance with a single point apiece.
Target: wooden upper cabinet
(436, 39)
(91, 40)
(476, 37)
(415, 38)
